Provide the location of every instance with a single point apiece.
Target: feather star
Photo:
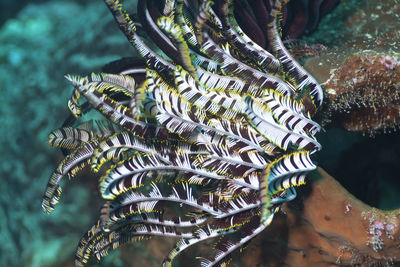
(219, 130)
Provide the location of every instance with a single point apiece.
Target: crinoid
(220, 132)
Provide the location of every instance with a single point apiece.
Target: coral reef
(33, 61)
(360, 70)
(329, 227)
(365, 91)
(361, 94)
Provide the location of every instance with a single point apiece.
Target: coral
(31, 59)
(330, 227)
(364, 92)
(360, 69)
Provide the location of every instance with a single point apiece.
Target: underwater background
(41, 41)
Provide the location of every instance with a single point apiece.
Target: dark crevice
(368, 167)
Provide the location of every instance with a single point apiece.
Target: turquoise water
(38, 46)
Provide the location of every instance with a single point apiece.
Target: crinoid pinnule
(219, 133)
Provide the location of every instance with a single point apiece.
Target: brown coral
(364, 92)
(330, 228)
(360, 70)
